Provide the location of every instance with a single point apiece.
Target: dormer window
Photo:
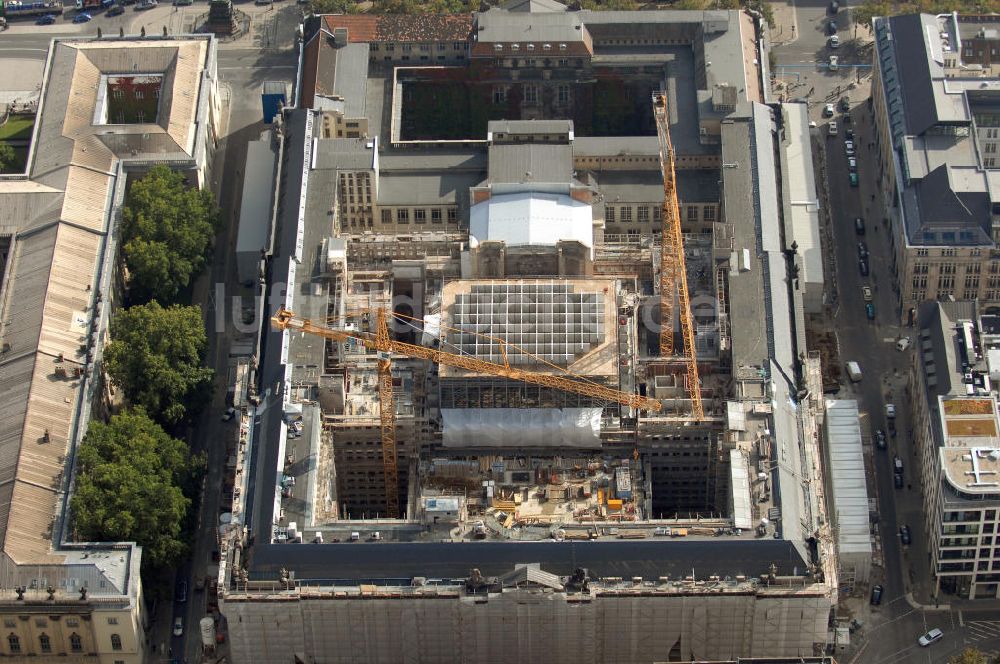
(497, 47)
(515, 47)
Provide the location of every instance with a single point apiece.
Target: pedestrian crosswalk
(982, 630)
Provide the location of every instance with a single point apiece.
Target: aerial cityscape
(439, 332)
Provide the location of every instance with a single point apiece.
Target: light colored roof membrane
(849, 501)
(530, 218)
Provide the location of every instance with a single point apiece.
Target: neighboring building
(937, 116)
(515, 189)
(109, 109)
(956, 431)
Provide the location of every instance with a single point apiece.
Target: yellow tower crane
(383, 344)
(673, 271)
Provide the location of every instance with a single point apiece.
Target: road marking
(983, 629)
(33, 50)
(888, 340)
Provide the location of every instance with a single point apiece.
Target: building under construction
(528, 360)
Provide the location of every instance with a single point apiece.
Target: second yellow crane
(673, 268)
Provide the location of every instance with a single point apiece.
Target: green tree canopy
(7, 157)
(969, 656)
(168, 229)
(333, 7)
(129, 479)
(155, 357)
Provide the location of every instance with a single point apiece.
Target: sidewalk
(785, 28)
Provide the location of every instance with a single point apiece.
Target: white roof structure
(531, 218)
(739, 479)
(849, 492)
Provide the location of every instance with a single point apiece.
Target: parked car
(897, 479)
(847, 118)
(904, 535)
(832, 129)
(866, 293)
(876, 595)
(845, 104)
(880, 439)
(178, 626)
(859, 225)
(48, 19)
(828, 111)
(848, 132)
(862, 249)
(870, 310)
(834, 62)
(852, 163)
(903, 344)
(182, 592)
(831, 28)
(833, 41)
(852, 177)
(863, 266)
(116, 10)
(930, 637)
(834, 7)
(83, 18)
(229, 414)
(849, 147)
(146, 4)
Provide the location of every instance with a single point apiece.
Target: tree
(168, 229)
(129, 479)
(155, 357)
(969, 656)
(7, 157)
(333, 7)
(863, 13)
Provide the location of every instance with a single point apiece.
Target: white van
(854, 371)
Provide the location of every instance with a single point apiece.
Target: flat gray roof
(537, 162)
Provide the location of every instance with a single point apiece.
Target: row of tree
(864, 12)
(465, 6)
(135, 476)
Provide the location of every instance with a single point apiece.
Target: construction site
(560, 377)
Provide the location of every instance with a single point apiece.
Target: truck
(854, 371)
(17, 8)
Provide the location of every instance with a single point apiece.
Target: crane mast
(673, 270)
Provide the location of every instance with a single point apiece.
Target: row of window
(947, 252)
(623, 213)
(45, 643)
(530, 93)
(419, 216)
(390, 47)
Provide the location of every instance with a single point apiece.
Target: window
(420, 216)
(44, 643)
(425, 48)
(530, 94)
(972, 281)
(436, 215)
(709, 213)
(403, 216)
(609, 216)
(990, 162)
(626, 214)
(919, 282)
(692, 213)
(657, 211)
(14, 643)
(563, 62)
(72, 622)
(407, 48)
(387, 217)
(990, 148)
(9, 622)
(41, 622)
(499, 94)
(116, 642)
(75, 642)
(452, 215)
(643, 214)
(457, 46)
(946, 283)
(562, 94)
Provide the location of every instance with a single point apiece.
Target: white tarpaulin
(521, 427)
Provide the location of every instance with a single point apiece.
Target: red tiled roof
(402, 28)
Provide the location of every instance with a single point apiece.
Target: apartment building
(109, 109)
(935, 98)
(957, 435)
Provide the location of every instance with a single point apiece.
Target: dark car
(48, 19)
(880, 440)
(897, 479)
(863, 266)
(870, 310)
(116, 10)
(904, 535)
(182, 592)
(859, 225)
(845, 104)
(862, 250)
(83, 18)
(831, 28)
(876, 594)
